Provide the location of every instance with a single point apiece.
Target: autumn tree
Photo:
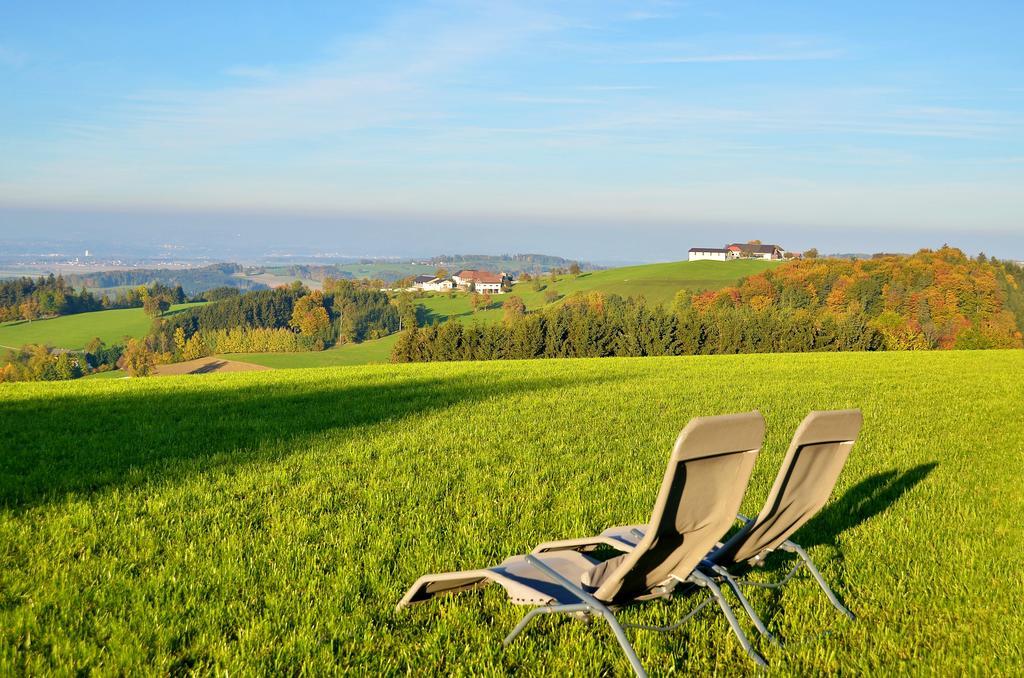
(476, 301)
(179, 341)
(574, 268)
(309, 317)
(551, 296)
(29, 309)
(195, 348)
(138, 360)
(513, 308)
(441, 272)
(812, 253)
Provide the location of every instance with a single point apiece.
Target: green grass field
(269, 522)
(75, 331)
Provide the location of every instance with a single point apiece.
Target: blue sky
(610, 129)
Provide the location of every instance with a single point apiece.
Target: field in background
(274, 280)
(269, 522)
(75, 331)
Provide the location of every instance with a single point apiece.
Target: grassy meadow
(75, 331)
(657, 283)
(269, 522)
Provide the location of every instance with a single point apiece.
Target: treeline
(192, 280)
(38, 362)
(284, 319)
(47, 296)
(931, 300)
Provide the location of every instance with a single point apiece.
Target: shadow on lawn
(54, 446)
(861, 502)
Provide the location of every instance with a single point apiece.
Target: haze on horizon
(593, 130)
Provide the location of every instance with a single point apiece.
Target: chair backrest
(805, 481)
(707, 475)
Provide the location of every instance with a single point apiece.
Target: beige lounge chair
(707, 475)
(805, 481)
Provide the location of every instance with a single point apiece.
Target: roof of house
(420, 279)
(480, 276)
(708, 249)
(759, 249)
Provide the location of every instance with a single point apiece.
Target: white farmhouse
(430, 283)
(484, 282)
(709, 254)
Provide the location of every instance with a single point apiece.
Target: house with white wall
(430, 283)
(484, 282)
(737, 251)
(709, 254)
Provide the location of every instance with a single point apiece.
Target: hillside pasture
(267, 523)
(75, 331)
(657, 283)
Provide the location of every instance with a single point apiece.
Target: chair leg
(528, 617)
(609, 616)
(747, 607)
(620, 635)
(702, 579)
(798, 550)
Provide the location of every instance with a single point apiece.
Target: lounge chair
(805, 481)
(707, 475)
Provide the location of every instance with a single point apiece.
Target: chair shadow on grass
(860, 503)
(85, 443)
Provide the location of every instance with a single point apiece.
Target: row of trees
(30, 299)
(284, 319)
(599, 325)
(38, 362)
(937, 299)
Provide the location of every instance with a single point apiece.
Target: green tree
(67, 367)
(155, 306)
(811, 253)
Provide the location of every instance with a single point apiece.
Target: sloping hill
(268, 522)
(75, 331)
(657, 283)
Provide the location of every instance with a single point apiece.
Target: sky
(601, 130)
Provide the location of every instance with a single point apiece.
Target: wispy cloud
(740, 58)
(615, 88)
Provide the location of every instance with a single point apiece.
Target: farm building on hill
(481, 281)
(752, 251)
(709, 253)
(429, 283)
(737, 251)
